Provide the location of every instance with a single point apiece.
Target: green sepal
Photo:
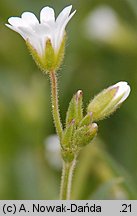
(49, 57)
(36, 57)
(75, 109)
(87, 120)
(50, 60)
(60, 56)
(100, 104)
(67, 134)
(84, 135)
(112, 107)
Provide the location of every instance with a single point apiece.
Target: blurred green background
(101, 50)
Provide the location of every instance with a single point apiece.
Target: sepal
(50, 60)
(84, 135)
(67, 134)
(75, 109)
(87, 120)
(100, 104)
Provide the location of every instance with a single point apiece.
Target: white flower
(52, 151)
(37, 33)
(106, 102)
(123, 91)
(101, 23)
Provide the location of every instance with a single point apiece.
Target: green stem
(66, 180)
(68, 168)
(55, 106)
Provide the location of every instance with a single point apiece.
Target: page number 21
(126, 208)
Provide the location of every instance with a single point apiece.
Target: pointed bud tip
(79, 94)
(94, 125)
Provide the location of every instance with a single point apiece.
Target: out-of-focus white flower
(101, 23)
(106, 102)
(52, 151)
(45, 37)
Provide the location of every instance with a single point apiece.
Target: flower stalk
(66, 180)
(55, 105)
(68, 167)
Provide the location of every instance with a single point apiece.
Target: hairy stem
(66, 180)
(55, 106)
(68, 168)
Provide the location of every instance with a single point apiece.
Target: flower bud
(75, 109)
(106, 102)
(84, 135)
(67, 135)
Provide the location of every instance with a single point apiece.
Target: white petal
(125, 95)
(16, 29)
(37, 44)
(12, 27)
(47, 14)
(16, 21)
(61, 30)
(29, 18)
(42, 28)
(123, 89)
(63, 15)
(67, 20)
(37, 39)
(61, 23)
(26, 31)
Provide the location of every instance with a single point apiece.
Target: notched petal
(47, 14)
(64, 14)
(16, 21)
(30, 18)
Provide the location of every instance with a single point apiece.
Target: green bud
(50, 60)
(99, 105)
(75, 110)
(106, 102)
(85, 134)
(67, 135)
